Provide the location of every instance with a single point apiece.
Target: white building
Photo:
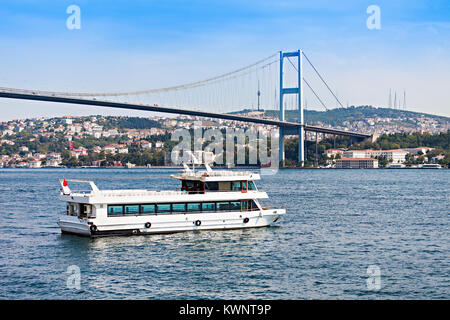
(35, 164)
(333, 152)
(394, 156)
(110, 149)
(146, 144)
(355, 154)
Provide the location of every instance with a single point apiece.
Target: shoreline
(234, 168)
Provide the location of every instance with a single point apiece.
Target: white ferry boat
(207, 200)
(430, 166)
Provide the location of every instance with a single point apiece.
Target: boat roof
(219, 175)
(148, 196)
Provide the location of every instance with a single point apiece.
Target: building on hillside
(79, 152)
(333, 152)
(424, 150)
(122, 149)
(394, 156)
(355, 154)
(52, 163)
(356, 163)
(35, 164)
(110, 149)
(97, 149)
(145, 144)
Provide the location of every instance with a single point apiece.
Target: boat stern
(74, 225)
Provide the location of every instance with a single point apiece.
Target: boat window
(235, 206)
(244, 185)
(212, 186)
(115, 210)
(251, 185)
(187, 185)
(193, 207)
(209, 206)
(163, 208)
(192, 186)
(224, 185)
(148, 208)
(178, 207)
(223, 206)
(245, 205)
(236, 186)
(132, 209)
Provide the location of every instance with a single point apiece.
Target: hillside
(370, 119)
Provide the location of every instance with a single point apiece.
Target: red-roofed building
(356, 163)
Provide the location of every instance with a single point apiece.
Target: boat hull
(159, 224)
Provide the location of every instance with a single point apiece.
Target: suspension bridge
(277, 84)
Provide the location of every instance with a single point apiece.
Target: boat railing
(218, 191)
(267, 205)
(221, 173)
(124, 193)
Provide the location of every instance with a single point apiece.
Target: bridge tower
(299, 92)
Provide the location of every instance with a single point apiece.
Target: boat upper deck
(147, 196)
(219, 175)
(196, 186)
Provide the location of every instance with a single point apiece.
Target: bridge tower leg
(301, 133)
(299, 92)
(281, 142)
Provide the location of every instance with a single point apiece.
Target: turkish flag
(65, 187)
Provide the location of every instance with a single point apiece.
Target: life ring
(198, 223)
(148, 225)
(205, 175)
(246, 220)
(93, 228)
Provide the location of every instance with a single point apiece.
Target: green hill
(337, 117)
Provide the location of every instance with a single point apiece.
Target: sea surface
(338, 224)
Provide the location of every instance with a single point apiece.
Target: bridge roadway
(288, 127)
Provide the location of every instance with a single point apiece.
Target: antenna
(404, 99)
(390, 98)
(395, 99)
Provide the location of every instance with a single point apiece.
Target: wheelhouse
(196, 186)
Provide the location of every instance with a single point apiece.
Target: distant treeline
(404, 140)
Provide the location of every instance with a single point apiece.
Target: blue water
(339, 222)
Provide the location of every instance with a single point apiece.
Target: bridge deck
(291, 127)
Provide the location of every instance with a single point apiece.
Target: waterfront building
(356, 163)
(395, 155)
(35, 164)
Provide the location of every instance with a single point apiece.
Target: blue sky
(128, 45)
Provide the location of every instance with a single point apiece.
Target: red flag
(65, 187)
